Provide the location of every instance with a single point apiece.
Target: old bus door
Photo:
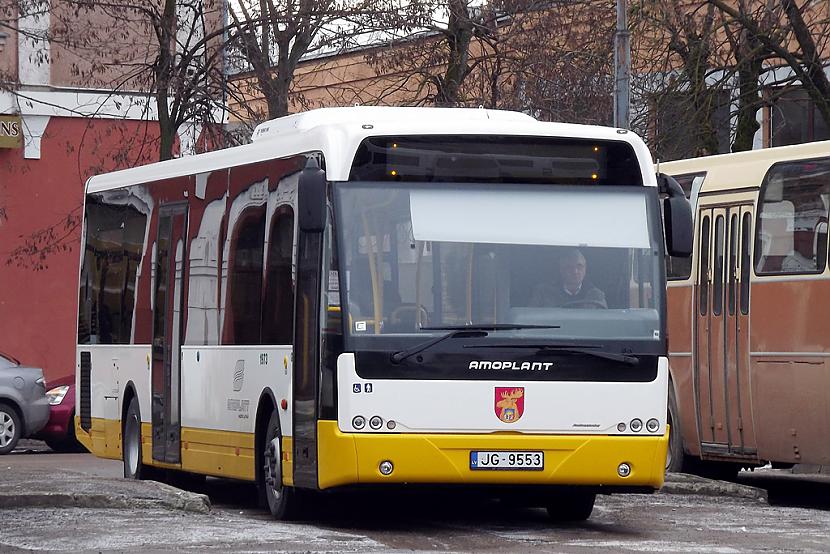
(710, 330)
(169, 264)
(739, 267)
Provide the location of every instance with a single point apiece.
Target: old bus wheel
(282, 501)
(571, 505)
(131, 442)
(10, 429)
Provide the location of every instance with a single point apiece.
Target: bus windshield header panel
(501, 159)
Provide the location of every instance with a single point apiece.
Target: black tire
(11, 428)
(283, 502)
(131, 450)
(676, 456)
(572, 505)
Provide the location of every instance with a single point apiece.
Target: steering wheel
(585, 303)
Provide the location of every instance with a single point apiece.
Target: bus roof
(726, 172)
(337, 133)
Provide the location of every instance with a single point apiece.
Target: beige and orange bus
(749, 355)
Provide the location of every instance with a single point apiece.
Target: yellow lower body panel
(220, 453)
(351, 458)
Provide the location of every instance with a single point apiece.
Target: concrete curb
(682, 483)
(67, 492)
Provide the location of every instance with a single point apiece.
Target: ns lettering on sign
(11, 131)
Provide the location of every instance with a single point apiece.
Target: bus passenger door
(167, 320)
(741, 433)
(710, 354)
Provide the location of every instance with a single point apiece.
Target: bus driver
(572, 291)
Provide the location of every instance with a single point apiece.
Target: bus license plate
(493, 459)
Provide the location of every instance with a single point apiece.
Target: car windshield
(570, 262)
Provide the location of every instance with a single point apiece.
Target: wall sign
(11, 131)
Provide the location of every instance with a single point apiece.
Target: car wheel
(10, 428)
(131, 443)
(283, 502)
(571, 505)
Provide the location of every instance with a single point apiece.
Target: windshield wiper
(593, 350)
(460, 331)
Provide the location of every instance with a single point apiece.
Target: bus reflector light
(652, 425)
(284, 404)
(386, 467)
(624, 470)
(621, 427)
(636, 425)
(358, 422)
(376, 422)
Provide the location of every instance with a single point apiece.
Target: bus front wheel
(572, 505)
(282, 501)
(131, 443)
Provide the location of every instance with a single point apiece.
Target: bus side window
(278, 305)
(733, 262)
(243, 300)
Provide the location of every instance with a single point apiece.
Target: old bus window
(791, 233)
(703, 288)
(717, 279)
(733, 262)
(243, 300)
(278, 305)
(680, 267)
(745, 261)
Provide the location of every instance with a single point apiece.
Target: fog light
(390, 425)
(620, 427)
(624, 470)
(386, 467)
(636, 425)
(376, 422)
(652, 425)
(358, 422)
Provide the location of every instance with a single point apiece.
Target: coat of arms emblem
(510, 403)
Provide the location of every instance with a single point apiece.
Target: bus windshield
(584, 262)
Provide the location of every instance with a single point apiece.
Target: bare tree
(269, 38)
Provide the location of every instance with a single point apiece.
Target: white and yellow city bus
(369, 296)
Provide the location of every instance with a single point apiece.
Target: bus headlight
(359, 422)
(652, 425)
(386, 467)
(636, 425)
(624, 470)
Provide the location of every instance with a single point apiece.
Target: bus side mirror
(677, 217)
(311, 198)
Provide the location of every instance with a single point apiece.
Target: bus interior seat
(776, 235)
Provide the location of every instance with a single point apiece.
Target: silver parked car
(24, 407)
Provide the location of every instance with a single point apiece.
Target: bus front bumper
(592, 460)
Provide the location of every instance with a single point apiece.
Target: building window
(683, 125)
(794, 118)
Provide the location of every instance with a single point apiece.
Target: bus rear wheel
(283, 502)
(571, 505)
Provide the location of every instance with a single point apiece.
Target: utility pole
(622, 68)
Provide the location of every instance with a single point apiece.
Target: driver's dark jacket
(554, 294)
